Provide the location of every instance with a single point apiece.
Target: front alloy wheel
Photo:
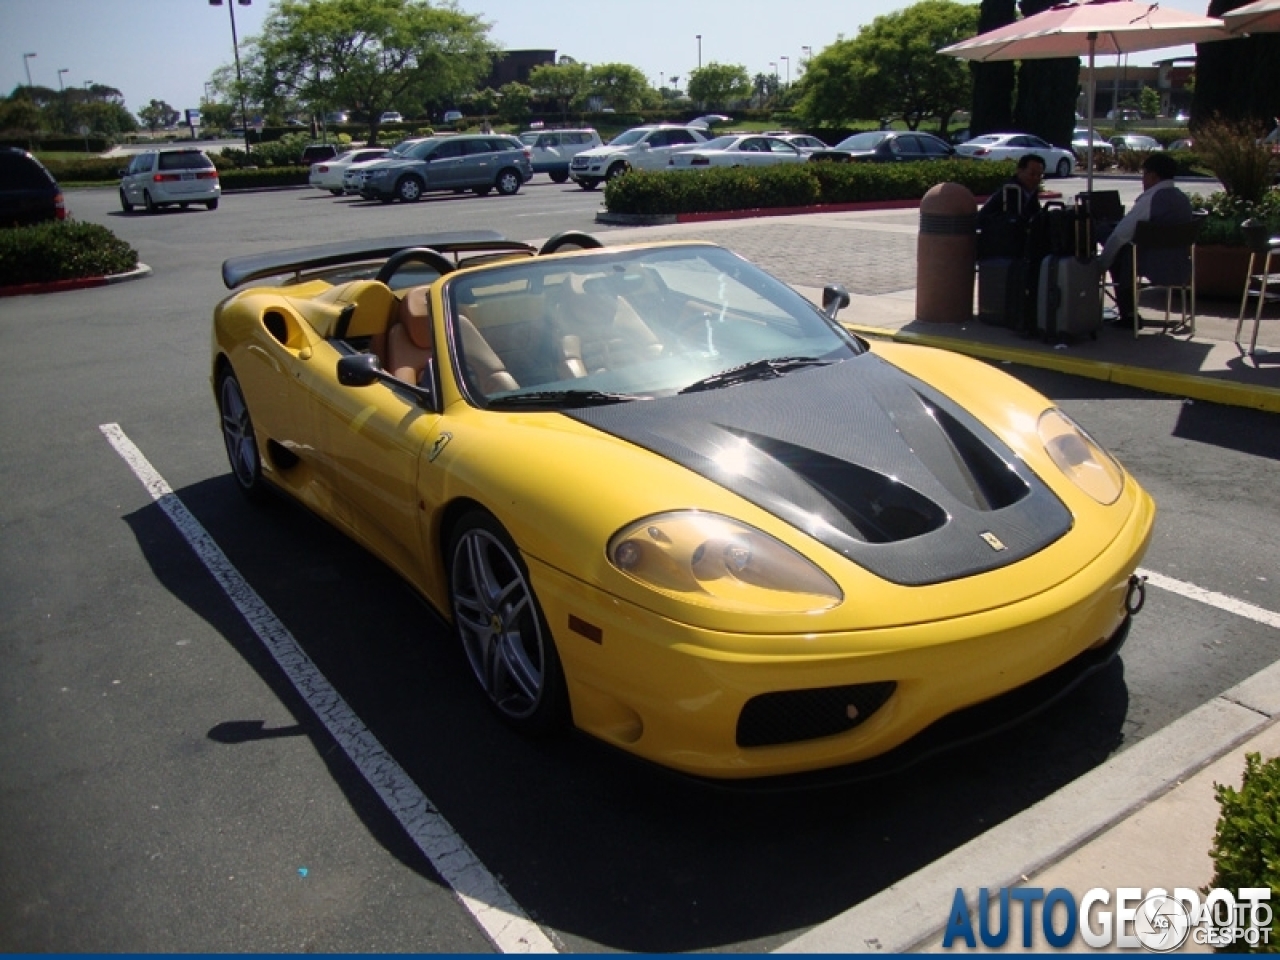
(1064, 168)
(409, 190)
(509, 182)
(503, 632)
(238, 435)
(125, 205)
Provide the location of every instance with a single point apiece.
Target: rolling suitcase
(1069, 298)
(1002, 284)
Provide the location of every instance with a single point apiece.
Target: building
(514, 66)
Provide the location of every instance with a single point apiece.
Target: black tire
(336, 193)
(559, 176)
(125, 205)
(617, 170)
(147, 203)
(499, 622)
(183, 206)
(1065, 167)
(409, 190)
(508, 182)
(588, 184)
(239, 438)
(211, 204)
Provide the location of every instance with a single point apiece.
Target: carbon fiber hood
(873, 463)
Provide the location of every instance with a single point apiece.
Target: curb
(79, 283)
(1187, 385)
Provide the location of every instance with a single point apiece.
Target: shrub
(1130, 161)
(1226, 213)
(1237, 157)
(792, 185)
(249, 179)
(85, 169)
(1246, 846)
(61, 250)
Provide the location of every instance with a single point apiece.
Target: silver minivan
(160, 178)
(553, 149)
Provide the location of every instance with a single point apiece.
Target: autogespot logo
(1127, 918)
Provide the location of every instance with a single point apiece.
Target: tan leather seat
(409, 341)
(484, 367)
(598, 331)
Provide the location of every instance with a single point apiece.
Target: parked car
(351, 176)
(885, 146)
(452, 116)
(640, 148)
(552, 150)
(1058, 161)
(1080, 144)
(28, 191)
(162, 178)
(1135, 141)
(391, 117)
(1124, 114)
(661, 496)
(480, 163)
(315, 152)
(1186, 143)
(738, 150)
(327, 174)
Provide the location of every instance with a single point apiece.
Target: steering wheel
(432, 258)
(570, 238)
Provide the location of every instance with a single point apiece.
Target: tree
(618, 85)
(993, 83)
(717, 85)
(1237, 79)
(368, 55)
(892, 69)
(1048, 91)
(564, 84)
(156, 114)
(513, 103)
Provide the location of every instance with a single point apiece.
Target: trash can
(945, 254)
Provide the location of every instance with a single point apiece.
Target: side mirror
(834, 299)
(359, 370)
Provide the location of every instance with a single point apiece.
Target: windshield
(529, 139)
(862, 141)
(623, 325)
(628, 138)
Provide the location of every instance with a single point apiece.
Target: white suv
(553, 149)
(640, 148)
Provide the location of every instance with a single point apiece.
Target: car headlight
(1080, 457)
(715, 561)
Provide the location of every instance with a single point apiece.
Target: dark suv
(28, 192)
(479, 163)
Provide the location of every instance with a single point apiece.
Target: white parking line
(498, 915)
(1220, 600)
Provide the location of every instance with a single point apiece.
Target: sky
(167, 49)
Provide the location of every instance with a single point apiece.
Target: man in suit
(1160, 202)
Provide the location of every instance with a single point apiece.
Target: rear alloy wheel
(409, 190)
(238, 435)
(1064, 168)
(502, 629)
(125, 205)
(508, 182)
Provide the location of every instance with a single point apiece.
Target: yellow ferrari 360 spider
(663, 497)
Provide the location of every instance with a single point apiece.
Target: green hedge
(251, 179)
(793, 185)
(61, 250)
(1246, 845)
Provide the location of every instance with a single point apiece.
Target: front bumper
(676, 694)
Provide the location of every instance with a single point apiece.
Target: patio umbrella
(1088, 29)
(1261, 16)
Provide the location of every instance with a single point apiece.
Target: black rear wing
(240, 270)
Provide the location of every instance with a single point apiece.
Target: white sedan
(327, 175)
(738, 150)
(1058, 162)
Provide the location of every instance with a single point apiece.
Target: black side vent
(794, 715)
(994, 482)
(276, 326)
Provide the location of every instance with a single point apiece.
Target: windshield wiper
(754, 370)
(561, 398)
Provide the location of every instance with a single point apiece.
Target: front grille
(580, 163)
(789, 716)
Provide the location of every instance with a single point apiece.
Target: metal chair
(1162, 267)
(1262, 247)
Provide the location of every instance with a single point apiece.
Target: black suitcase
(1002, 292)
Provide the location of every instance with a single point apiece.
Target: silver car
(480, 163)
(159, 178)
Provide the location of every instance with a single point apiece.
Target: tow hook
(1136, 598)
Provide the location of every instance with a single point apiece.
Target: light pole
(26, 63)
(808, 54)
(788, 59)
(697, 37)
(235, 46)
(61, 71)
